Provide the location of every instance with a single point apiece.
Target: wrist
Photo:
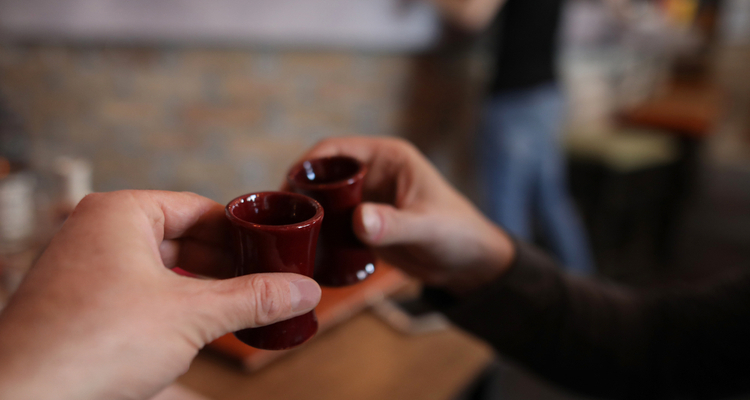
(498, 253)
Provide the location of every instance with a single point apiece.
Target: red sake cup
(336, 183)
(276, 232)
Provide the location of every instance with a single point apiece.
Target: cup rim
(330, 185)
(247, 224)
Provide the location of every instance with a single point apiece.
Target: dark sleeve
(607, 340)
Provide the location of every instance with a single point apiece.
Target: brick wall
(221, 122)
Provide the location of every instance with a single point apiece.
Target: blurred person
(101, 316)
(520, 155)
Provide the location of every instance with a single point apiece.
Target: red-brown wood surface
(683, 110)
(336, 305)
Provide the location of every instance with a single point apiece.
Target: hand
(101, 316)
(416, 221)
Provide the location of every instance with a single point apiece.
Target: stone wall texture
(222, 122)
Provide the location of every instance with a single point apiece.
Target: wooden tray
(336, 306)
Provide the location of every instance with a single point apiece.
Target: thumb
(259, 299)
(384, 225)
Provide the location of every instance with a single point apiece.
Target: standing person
(520, 154)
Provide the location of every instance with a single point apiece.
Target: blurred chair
(687, 111)
(623, 180)
(635, 183)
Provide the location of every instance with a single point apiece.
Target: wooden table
(361, 359)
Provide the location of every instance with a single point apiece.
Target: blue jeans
(523, 168)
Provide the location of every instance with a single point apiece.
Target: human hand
(415, 220)
(101, 316)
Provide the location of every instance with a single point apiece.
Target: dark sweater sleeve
(611, 341)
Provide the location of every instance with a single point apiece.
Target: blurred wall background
(186, 102)
(217, 122)
(221, 122)
(225, 109)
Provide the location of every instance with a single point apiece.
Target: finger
(383, 225)
(132, 223)
(171, 215)
(361, 148)
(256, 300)
(197, 257)
(185, 214)
(390, 163)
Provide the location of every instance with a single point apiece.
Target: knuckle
(403, 150)
(96, 199)
(190, 194)
(324, 144)
(92, 201)
(403, 144)
(268, 300)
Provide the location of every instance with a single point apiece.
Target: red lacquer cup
(276, 232)
(336, 183)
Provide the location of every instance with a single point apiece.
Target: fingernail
(305, 294)
(371, 221)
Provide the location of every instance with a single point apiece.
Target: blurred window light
(735, 21)
(370, 24)
(680, 12)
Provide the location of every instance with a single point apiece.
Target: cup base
(281, 335)
(344, 267)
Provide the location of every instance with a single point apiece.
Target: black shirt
(526, 46)
(606, 340)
